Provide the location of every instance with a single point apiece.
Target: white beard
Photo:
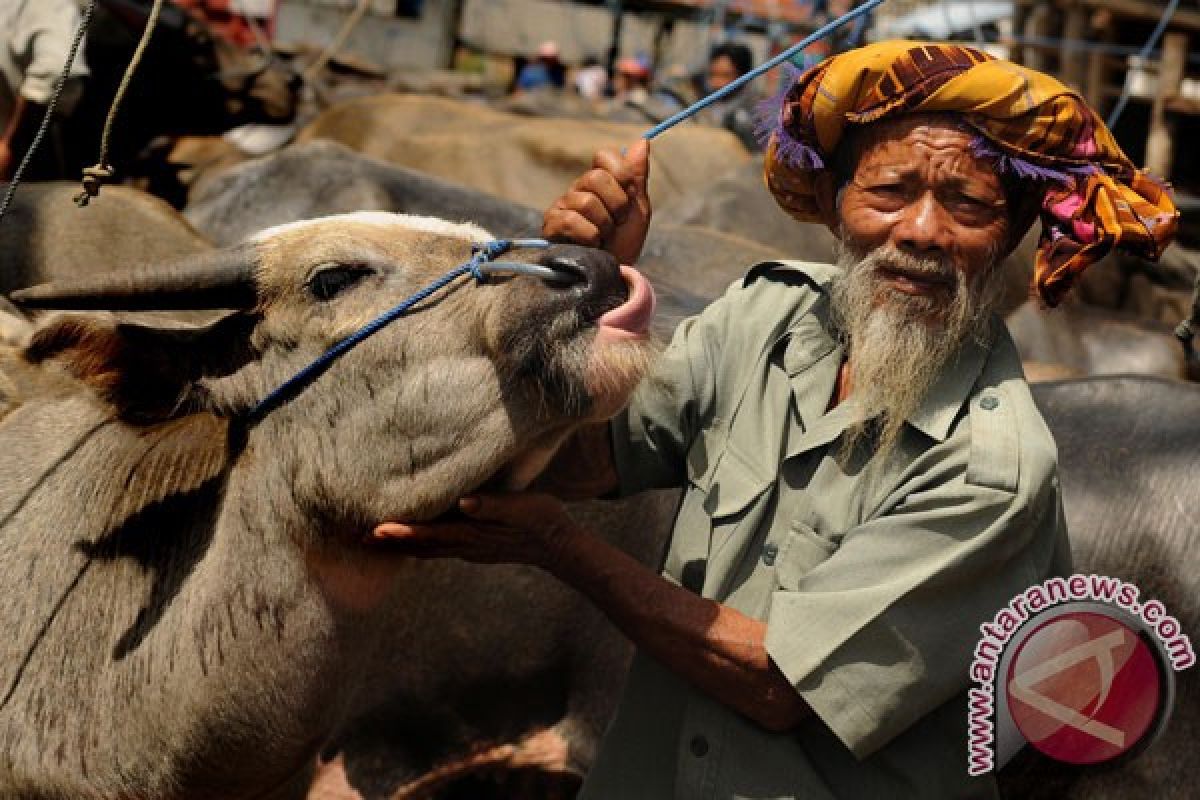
(899, 344)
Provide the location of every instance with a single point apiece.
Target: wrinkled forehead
(911, 135)
(371, 237)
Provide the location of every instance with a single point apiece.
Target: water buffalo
(528, 160)
(47, 237)
(190, 81)
(191, 607)
(319, 178)
(1127, 458)
(1096, 341)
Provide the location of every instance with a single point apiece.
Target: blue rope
(1147, 48)
(476, 266)
(765, 67)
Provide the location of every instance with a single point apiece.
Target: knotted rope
(102, 172)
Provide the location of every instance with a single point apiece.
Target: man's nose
(923, 228)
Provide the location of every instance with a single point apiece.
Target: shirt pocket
(801, 549)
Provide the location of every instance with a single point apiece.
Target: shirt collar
(812, 356)
(937, 412)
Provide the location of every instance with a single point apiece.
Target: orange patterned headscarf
(1093, 197)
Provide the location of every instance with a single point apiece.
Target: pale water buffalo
(191, 607)
(525, 159)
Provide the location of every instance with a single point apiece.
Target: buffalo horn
(216, 279)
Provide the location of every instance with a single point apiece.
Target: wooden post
(1038, 25)
(1170, 78)
(1100, 64)
(1072, 60)
(1016, 53)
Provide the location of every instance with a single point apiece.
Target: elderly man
(866, 476)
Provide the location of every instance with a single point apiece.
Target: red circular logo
(1084, 688)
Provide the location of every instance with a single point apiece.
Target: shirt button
(769, 553)
(989, 403)
(698, 746)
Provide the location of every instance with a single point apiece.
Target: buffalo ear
(148, 373)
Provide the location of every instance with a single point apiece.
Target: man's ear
(147, 373)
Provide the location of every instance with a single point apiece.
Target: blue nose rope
(482, 262)
(766, 66)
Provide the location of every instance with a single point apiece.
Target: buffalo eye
(327, 282)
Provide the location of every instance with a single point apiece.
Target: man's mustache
(927, 269)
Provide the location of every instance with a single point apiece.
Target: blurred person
(726, 63)
(545, 71)
(37, 37)
(591, 81)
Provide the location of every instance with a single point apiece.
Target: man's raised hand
(608, 206)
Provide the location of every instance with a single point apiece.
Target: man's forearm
(718, 649)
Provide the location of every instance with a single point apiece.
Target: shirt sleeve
(882, 632)
(41, 40)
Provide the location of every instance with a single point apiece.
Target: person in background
(545, 71)
(37, 37)
(728, 62)
(591, 81)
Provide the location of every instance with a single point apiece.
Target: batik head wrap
(1092, 196)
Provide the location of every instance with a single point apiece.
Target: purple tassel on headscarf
(792, 151)
(1023, 168)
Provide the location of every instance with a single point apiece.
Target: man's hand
(608, 206)
(522, 528)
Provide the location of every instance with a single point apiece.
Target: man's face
(918, 188)
(721, 73)
(923, 225)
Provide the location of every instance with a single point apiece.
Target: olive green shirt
(873, 580)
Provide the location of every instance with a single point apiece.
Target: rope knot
(94, 177)
(483, 253)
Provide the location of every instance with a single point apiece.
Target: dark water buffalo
(1088, 340)
(191, 610)
(46, 237)
(1129, 450)
(319, 178)
(189, 81)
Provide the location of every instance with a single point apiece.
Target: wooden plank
(1159, 140)
(1151, 12)
(1182, 105)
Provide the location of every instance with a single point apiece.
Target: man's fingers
(606, 189)
(520, 510)
(564, 225)
(637, 161)
(591, 208)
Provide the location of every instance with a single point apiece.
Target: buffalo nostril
(568, 268)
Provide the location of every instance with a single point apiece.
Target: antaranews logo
(1078, 668)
